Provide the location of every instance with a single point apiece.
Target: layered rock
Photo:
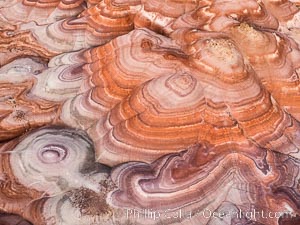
(51, 169)
(193, 104)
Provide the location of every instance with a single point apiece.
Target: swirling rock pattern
(149, 112)
(59, 166)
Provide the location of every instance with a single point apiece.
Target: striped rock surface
(149, 112)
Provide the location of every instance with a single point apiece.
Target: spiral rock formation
(149, 112)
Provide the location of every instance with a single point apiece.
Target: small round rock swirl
(182, 85)
(58, 164)
(52, 154)
(60, 156)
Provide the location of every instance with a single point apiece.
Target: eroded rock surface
(149, 112)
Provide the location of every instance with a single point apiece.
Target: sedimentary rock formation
(149, 112)
(12, 219)
(49, 165)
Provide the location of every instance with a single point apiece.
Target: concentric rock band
(149, 112)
